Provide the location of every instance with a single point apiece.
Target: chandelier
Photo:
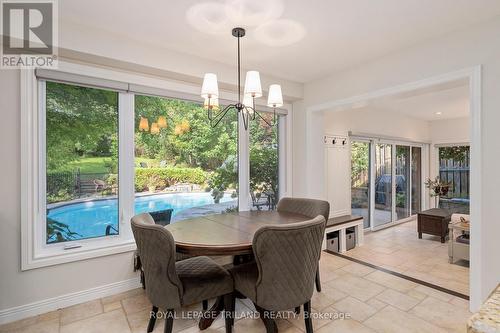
(246, 106)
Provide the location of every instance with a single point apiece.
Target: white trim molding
(51, 304)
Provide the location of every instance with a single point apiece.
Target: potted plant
(437, 188)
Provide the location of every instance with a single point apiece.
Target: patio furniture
(458, 247)
(261, 201)
(174, 284)
(434, 222)
(310, 208)
(282, 276)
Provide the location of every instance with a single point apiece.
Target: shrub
(164, 177)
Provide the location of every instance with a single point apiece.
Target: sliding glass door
(402, 182)
(386, 181)
(360, 180)
(416, 180)
(383, 184)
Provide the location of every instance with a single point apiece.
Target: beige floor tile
(333, 293)
(345, 326)
(18, 324)
(52, 315)
(46, 326)
(136, 303)
(463, 303)
(319, 319)
(434, 293)
(375, 303)
(321, 300)
(358, 269)
(446, 315)
(391, 281)
(109, 322)
(397, 299)
(81, 311)
(416, 294)
(357, 287)
(107, 307)
(124, 295)
(356, 309)
(393, 320)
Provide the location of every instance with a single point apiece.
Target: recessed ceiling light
(439, 113)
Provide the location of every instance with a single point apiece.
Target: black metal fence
(67, 185)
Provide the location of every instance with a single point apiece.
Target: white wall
(450, 130)
(478, 45)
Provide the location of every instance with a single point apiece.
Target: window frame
(35, 252)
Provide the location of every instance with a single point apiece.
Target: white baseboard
(51, 304)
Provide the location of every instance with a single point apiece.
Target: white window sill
(86, 251)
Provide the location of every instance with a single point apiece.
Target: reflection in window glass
(264, 163)
(183, 167)
(81, 161)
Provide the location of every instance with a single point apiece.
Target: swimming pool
(91, 218)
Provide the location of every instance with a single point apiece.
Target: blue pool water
(90, 218)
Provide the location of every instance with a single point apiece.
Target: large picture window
(98, 149)
(183, 166)
(81, 135)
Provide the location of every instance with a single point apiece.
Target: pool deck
(204, 210)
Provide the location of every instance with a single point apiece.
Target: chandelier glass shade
(246, 102)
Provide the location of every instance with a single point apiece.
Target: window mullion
(126, 190)
(243, 166)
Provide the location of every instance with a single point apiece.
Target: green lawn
(91, 164)
(100, 164)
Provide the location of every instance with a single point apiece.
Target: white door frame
(315, 156)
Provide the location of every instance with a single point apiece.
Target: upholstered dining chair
(172, 284)
(282, 276)
(310, 208)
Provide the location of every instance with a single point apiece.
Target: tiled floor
(399, 249)
(371, 300)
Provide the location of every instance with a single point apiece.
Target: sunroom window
(81, 158)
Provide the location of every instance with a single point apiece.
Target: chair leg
(143, 280)
(228, 312)
(297, 310)
(307, 317)
(233, 308)
(169, 321)
(152, 319)
(266, 317)
(205, 305)
(318, 281)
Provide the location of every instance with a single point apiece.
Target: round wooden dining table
(225, 234)
(228, 234)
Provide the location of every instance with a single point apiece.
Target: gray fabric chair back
(156, 247)
(307, 207)
(287, 259)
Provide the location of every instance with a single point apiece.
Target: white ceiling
(450, 100)
(337, 34)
